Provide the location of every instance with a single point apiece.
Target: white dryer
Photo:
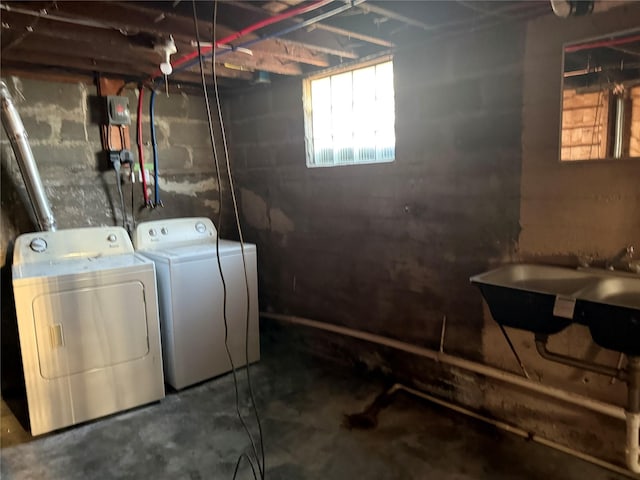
(88, 322)
(191, 298)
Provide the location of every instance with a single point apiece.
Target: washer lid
(198, 251)
(75, 266)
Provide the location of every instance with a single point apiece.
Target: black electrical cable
(242, 249)
(224, 287)
(253, 468)
(116, 168)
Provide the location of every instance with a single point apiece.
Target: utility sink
(524, 296)
(546, 299)
(611, 309)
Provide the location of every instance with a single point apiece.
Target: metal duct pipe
(24, 156)
(618, 137)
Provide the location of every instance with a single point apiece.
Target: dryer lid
(71, 244)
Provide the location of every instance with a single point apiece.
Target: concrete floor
(196, 435)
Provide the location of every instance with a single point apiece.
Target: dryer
(190, 295)
(87, 315)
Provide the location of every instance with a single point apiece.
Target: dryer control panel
(74, 243)
(172, 232)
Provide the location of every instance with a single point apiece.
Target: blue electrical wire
(154, 145)
(280, 33)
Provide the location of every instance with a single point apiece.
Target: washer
(191, 298)
(88, 322)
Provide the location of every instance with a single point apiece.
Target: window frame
(308, 113)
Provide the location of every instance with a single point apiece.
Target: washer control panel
(174, 231)
(74, 243)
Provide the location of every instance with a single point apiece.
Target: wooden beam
(139, 61)
(50, 75)
(47, 59)
(252, 63)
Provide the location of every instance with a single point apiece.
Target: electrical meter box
(118, 110)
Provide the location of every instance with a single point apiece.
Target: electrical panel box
(118, 110)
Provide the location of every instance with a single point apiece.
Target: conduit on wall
(156, 175)
(631, 417)
(145, 193)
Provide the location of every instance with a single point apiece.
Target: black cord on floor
(239, 228)
(224, 286)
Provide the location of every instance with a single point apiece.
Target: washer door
(91, 328)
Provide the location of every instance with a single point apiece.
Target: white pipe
(516, 430)
(486, 370)
(633, 442)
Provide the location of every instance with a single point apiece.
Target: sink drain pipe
(632, 416)
(544, 352)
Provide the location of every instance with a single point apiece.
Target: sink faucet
(626, 252)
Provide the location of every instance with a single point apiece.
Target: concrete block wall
(60, 119)
(390, 247)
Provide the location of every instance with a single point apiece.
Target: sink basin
(545, 300)
(524, 296)
(611, 309)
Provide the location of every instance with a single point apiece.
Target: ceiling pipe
(602, 43)
(26, 162)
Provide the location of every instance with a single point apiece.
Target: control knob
(38, 245)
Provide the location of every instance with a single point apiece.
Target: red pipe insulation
(140, 149)
(251, 28)
(602, 43)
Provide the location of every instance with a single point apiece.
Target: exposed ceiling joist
(118, 37)
(350, 34)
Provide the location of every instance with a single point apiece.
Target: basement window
(350, 116)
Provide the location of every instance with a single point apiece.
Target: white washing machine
(88, 323)
(191, 298)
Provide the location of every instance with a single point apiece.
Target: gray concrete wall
(61, 121)
(389, 248)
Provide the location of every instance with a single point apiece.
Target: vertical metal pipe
(24, 156)
(633, 385)
(618, 136)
